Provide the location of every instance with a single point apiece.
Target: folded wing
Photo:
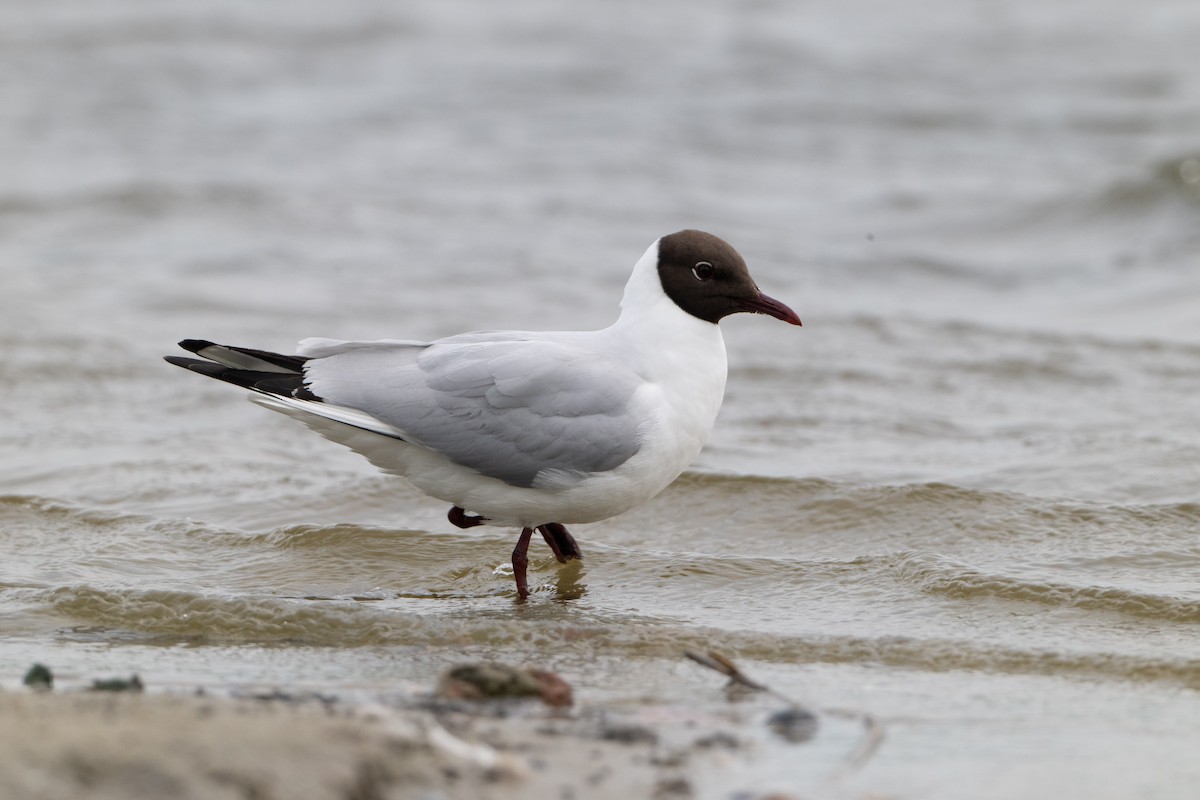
(528, 412)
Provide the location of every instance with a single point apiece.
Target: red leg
(520, 562)
(461, 519)
(561, 541)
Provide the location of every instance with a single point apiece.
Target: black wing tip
(196, 365)
(180, 361)
(289, 363)
(276, 383)
(195, 345)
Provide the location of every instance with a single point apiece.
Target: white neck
(681, 358)
(651, 322)
(644, 291)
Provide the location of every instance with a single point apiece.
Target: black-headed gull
(528, 428)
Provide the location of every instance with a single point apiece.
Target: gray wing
(526, 411)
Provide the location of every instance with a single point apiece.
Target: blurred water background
(964, 499)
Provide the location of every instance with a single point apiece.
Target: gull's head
(708, 279)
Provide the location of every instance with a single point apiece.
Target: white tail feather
(342, 414)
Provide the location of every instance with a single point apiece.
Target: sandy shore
(133, 745)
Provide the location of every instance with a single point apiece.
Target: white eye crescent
(703, 271)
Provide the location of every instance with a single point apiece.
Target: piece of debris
(720, 740)
(39, 678)
(628, 734)
(872, 737)
(492, 681)
(329, 701)
(794, 723)
(673, 788)
(499, 766)
(723, 665)
(131, 684)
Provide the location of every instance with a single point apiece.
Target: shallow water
(964, 499)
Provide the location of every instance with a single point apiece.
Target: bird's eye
(703, 271)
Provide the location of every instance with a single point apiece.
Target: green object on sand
(39, 678)
(133, 684)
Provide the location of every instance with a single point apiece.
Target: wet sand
(133, 745)
(129, 746)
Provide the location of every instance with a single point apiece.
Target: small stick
(716, 661)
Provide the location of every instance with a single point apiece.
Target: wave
(168, 617)
(825, 504)
(178, 615)
(812, 503)
(945, 577)
(1171, 180)
(1166, 190)
(140, 199)
(114, 31)
(1133, 221)
(786, 513)
(54, 509)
